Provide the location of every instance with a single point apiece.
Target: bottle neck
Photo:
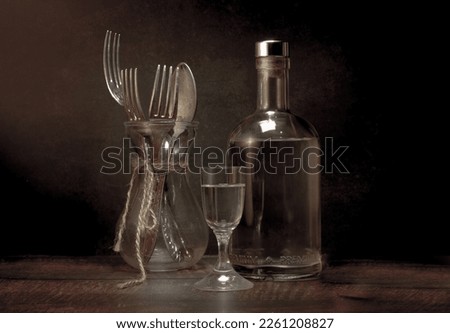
(273, 83)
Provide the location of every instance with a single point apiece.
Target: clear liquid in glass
(222, 205)
(222, 208)
(279, 233)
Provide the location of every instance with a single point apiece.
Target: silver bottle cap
(272, 48)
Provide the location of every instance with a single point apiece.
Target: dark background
(350, 76)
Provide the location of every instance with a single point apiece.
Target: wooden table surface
(89, 284)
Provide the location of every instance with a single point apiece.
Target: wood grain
(89, 284)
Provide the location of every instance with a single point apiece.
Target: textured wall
(56, 115)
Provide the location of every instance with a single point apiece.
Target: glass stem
(223, 261)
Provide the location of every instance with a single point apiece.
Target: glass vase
(162, 224)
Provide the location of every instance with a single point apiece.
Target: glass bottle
(279, 236)
(162, 223)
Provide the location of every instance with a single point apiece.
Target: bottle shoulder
(273, 125)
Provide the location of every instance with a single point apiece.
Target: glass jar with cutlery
(161, 227)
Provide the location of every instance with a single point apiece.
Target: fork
(163, 97)
(130, 91)
(163, 106)
(111, 68)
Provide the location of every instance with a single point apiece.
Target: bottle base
(280, 273)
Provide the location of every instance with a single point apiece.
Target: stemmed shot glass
(223, 191)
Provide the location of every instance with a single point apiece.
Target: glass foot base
(223, 281)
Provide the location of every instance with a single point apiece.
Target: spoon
(182, 107)
(185, 99)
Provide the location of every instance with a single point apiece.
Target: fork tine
(125, 88)
(152, 112)
(161, 89)
(115, 60)
(153, 108)
(166, 104)
(136, 101)
(106, 62)
(173, 98)
(130, 91)
(111, 67)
